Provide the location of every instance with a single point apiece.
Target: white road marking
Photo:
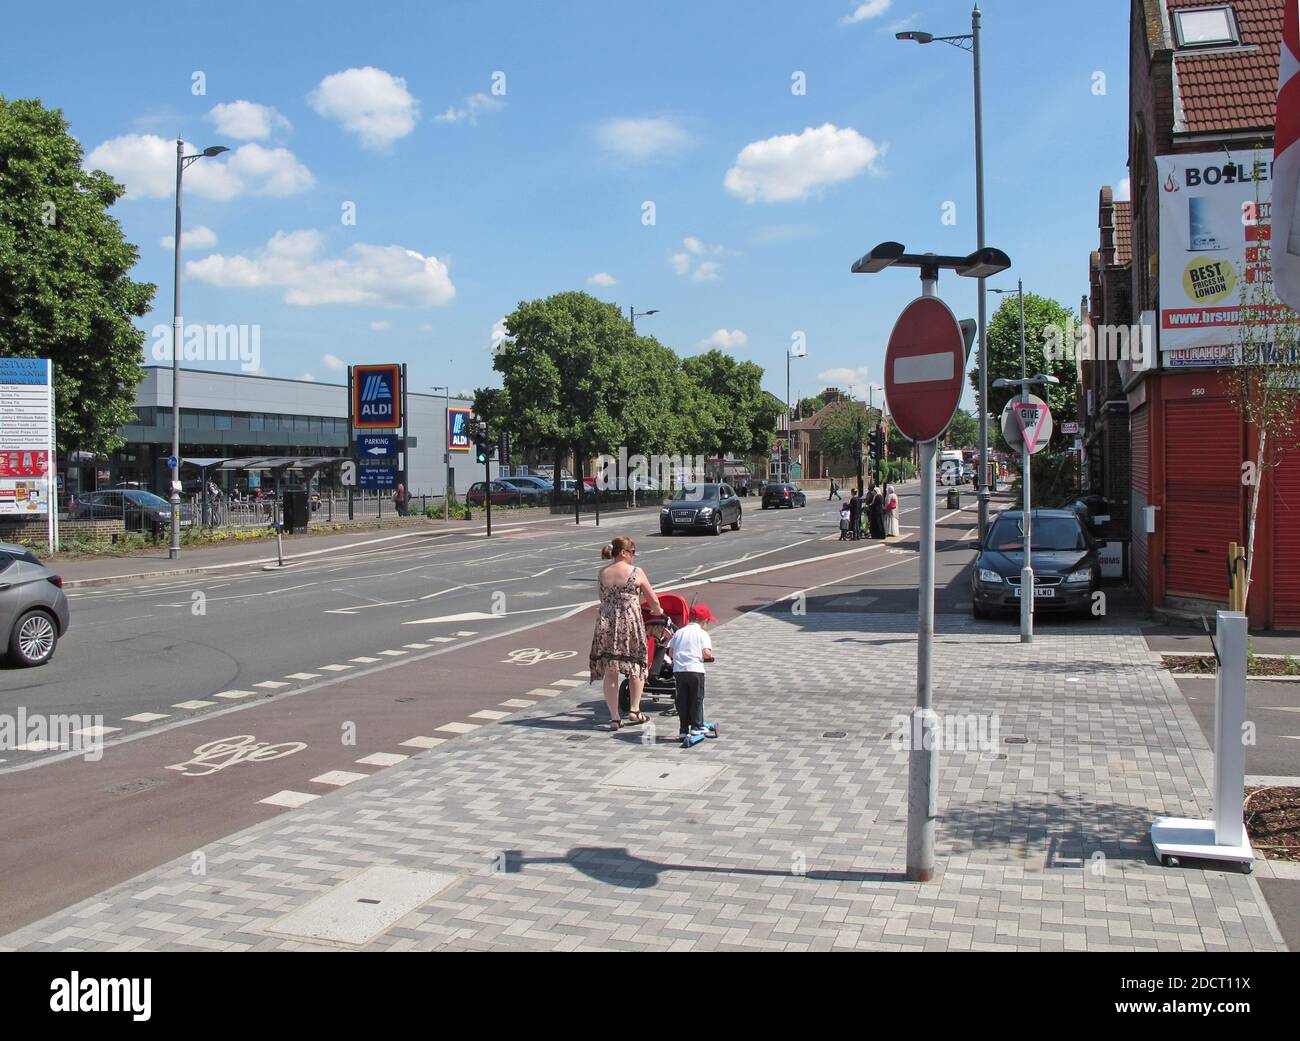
(416, 646)
(382, 759)
(289, 798)
(488, 713)
(392, 654)
(517, 703)
(38, 746)
(568, 683)
(542, 692)
(270, 685)
(441, 592)
(423, 742)
(233, 694)
(193, 705)
(148, 717)
(334, 668)
(458, 728)
(338, 778)
(303, 676)
(366, 607)
(364, 660)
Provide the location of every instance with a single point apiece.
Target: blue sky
(469, 199)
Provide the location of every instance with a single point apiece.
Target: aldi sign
(458, 429)
(377, 397)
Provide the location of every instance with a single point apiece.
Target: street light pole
(182, 161)
(633, 314)
(446, 455)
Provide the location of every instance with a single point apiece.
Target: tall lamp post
(633, 314)
(182, 161)
(971, 41)
(446, 455)
(792, 352)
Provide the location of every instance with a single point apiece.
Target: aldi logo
(377, 397)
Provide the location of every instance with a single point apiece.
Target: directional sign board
(925, 369)
(376, 461)
(1011, 423)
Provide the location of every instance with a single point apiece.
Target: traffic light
(482, 441)
(878, 444)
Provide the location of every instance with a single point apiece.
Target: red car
(501, 495)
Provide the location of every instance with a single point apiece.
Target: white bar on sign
(923, 368)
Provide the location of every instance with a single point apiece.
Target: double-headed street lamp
(971, 41)
(182, 161)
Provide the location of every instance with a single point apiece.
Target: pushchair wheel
(624, 697)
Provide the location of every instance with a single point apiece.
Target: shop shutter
(1140, 467)
(1286, 542)
(1203, 492)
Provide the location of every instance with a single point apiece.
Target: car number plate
(1040, 592)
(683, 515)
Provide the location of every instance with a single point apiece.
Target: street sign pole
(351, 445)
(923, 758)
(487, 497)
(1026, 572)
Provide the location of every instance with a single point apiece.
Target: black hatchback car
(1064, 557)
(779, 495)
(703, 507)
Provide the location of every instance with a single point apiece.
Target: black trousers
(690, 700)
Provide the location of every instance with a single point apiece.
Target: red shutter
(1202, 495)
(1140, 468)
(1286, 542)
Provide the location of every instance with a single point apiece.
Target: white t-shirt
(687, 648)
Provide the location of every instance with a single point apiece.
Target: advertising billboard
(1215, 237)
(376, 397)
(458, 439)
(26, 437)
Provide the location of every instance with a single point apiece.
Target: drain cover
(664, 776)
(356, 911)
(577, 737)
(405, 701)
(131, 787)
(1017, 740)
(834, 733)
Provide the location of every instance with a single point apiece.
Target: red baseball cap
(701, 613)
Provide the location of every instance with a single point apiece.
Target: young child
(845, 521)
(690, 648)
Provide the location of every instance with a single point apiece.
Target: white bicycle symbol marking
(227, 751)
(534, 655)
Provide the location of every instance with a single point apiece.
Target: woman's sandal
(635, 719)
(613, 725)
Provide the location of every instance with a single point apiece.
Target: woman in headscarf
(855, 513)
(876, 511)
(892, 528)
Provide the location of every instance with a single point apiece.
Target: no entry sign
(925, 366)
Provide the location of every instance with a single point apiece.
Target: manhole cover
(993, 757)
(356, 911)
(1017, 740)
(131, 787)
(834, 733)
(664, 776)
(405, 701)
(577, 737)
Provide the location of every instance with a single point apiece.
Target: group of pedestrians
(870, 514)
(620, 648)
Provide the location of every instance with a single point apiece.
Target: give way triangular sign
(1030, 415)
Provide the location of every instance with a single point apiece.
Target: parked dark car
(1067, 571)
(705, 507)
(137, 509)
(33, 607)
(779, 495)
(502, 495)
(531, 489)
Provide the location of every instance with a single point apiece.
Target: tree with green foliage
(744, 417)
(963, 431)
(65, 287)
(847, 432)
(1041, 313)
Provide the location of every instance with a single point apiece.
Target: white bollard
(1229, 719)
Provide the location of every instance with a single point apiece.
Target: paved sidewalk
(796, 841)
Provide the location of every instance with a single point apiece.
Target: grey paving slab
(797, 843)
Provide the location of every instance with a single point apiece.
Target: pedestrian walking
(835, 491)
(892, 527)
(400, 500)
(855, 513)
(690, 648)
(618, 646)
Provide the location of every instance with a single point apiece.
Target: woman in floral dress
(618, 647)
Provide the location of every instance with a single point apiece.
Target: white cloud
(1124, 192)
(868, 9)
(146, 164)
(681, 262)
(474, 104)
(380, 327)
(641, 138)
(725, 340)
(791, 166)
(332, 362)
(426, 327)
(246, 120)
(386, 276)
(706, 272)
(694, 248)
(308, 377)
(370, 102)
(198, 237)
(499, 334)
(602, 278)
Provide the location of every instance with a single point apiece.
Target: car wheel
(736, 525)
(33, 639)
(977, 611)
(664, 530)
(765, 506)
(717, 525)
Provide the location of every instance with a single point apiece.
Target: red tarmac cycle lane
(74, 828)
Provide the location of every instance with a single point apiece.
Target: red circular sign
(924, 369)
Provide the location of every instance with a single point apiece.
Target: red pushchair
(659, 630)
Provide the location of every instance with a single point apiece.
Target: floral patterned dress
(620, 640)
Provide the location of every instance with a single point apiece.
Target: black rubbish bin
(296, 512)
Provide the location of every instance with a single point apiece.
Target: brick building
(1203, 85)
